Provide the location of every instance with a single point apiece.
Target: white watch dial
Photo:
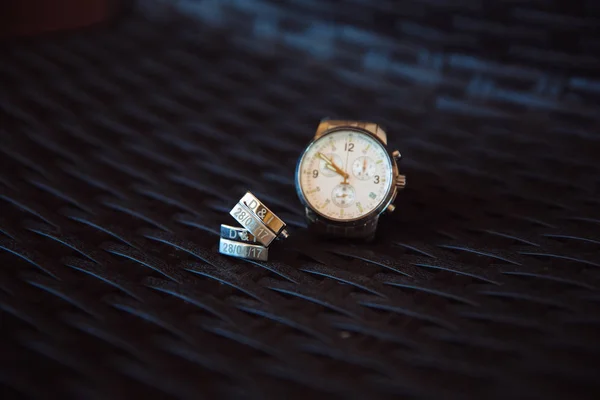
(343, 195)
(325, 167)
(364, 168)
(345, 175)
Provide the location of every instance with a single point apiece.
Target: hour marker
(341, 212)
(359, 206)
(327, 201)
(331, 142)
(315, 190)
(366, 149)
(379, 161)
(372, 195)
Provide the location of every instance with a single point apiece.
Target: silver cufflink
(260, 228)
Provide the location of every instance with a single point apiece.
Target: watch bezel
(388, 199)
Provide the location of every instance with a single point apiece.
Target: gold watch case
(369, 128)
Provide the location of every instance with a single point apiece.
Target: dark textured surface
(124, 147)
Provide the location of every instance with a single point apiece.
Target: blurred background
(128, 129)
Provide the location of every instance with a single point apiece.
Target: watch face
(345, 175)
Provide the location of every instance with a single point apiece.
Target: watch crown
(401, 181)
(396, 154)
(391, 208)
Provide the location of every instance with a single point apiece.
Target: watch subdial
(327, 171)
(343, 195)
(363, 168)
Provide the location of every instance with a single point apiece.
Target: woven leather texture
(124, 147)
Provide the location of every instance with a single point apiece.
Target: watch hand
(330, 164)
(345, 182)
(330, 167)
(324, 157)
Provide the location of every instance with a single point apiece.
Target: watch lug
(370, 127)
(324, 126)
(310, 214)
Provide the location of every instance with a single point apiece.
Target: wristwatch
(346, 178)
